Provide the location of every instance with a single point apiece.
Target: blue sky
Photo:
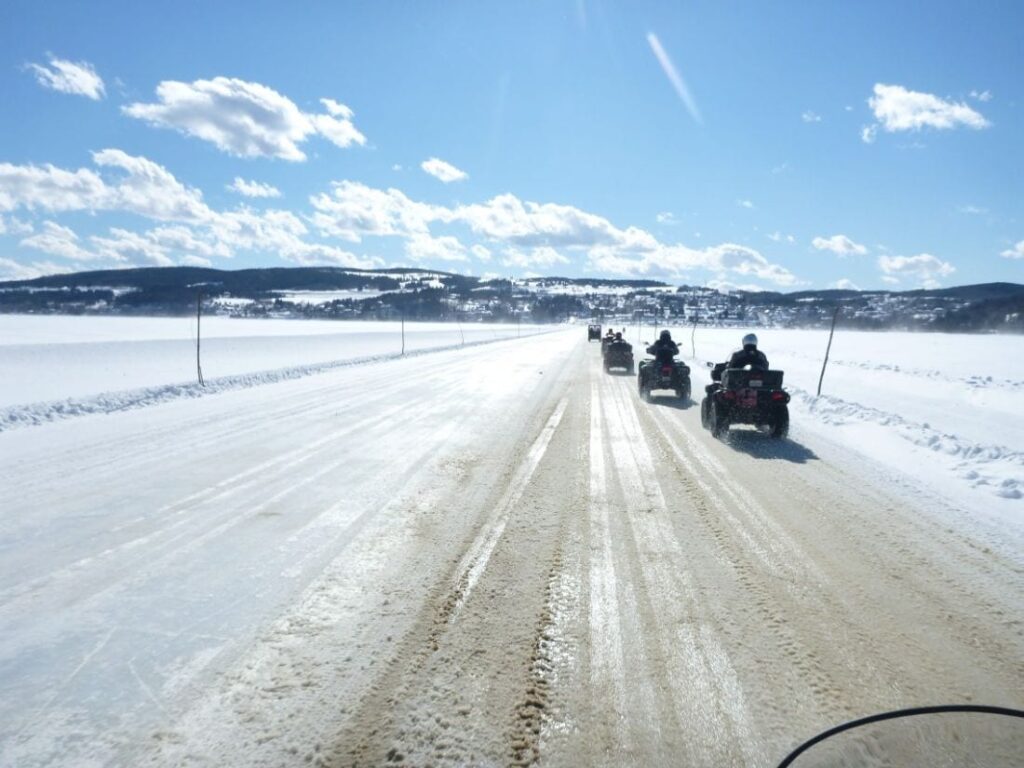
(772, 145)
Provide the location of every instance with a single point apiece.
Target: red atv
(745, 396)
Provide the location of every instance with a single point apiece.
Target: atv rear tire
(705, 417)
(780, 427)
(719, 422)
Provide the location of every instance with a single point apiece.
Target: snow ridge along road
(496, 556)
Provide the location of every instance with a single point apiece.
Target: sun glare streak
(673, 76)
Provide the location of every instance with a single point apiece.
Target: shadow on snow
(762, 446)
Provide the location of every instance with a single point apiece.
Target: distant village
(557, 301)
(412, 294)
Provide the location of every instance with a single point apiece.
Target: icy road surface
(496, 555)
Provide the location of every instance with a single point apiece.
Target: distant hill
(336, 292)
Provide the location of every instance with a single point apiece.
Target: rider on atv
(620, 343)
(749, 355)
(664, 349)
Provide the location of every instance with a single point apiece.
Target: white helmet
(750, 340)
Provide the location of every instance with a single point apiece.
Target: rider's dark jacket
(620, 345)
(663, 350)
(753, 357)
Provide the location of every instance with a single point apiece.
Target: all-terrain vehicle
(745, 396)
(618, 354)
(662, 375)
(594, 332)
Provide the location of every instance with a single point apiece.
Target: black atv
(674, 375)
(594, 332)
(744, 396)
(618, 354)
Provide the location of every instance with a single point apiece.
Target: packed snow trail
(493, 556)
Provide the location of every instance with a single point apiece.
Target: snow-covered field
(490, 554)
(51, 358)
(947, 409)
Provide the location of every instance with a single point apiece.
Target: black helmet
(618, 336)
(750, 340)
(666, 336)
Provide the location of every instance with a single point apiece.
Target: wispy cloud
(446, 172)
(810, 117)
(925, 268)
(674, 77)
(75, 77)
(840, 245)
(666, 217)
(1017, 252)
(746, 204)
(253, 188)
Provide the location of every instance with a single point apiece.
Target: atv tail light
(729, 394)
(779, 396)
(666, 369)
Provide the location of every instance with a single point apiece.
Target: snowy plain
(52, 358)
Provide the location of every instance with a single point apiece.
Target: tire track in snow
(694, 657)
(475, 561)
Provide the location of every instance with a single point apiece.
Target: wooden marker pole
(827, 350)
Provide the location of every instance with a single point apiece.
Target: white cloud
(541, 256)
(421, 247)
(337, 109)
(924, 268)
(13, 270)
(840, 245)
(899, 109)
(845, 284)
(253, 188)
(50, 188)
(890, 280)
(745, 204)
(61, 241)
(243, 118)
(869, 133)
(78, 78)
(13, 226)
(354, 210)
(810, 117)
(1017, 252)
(149, 190)
(666, 217)
(131, 247)
(778, 237)
(183, 240)
(446, 172)
(676, 260)
(982, 96)
(669, 68)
